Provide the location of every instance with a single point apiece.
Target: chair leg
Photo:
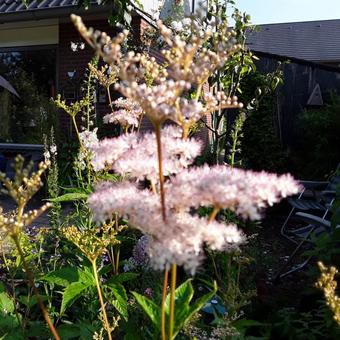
(283, 231)
(296, 268)
(291, 257)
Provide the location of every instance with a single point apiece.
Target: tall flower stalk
(22, 189)
(94, 243)
(178, 236)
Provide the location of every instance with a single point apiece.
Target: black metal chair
(315, 226)
(317, 197)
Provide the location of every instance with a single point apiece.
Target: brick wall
(69, 61)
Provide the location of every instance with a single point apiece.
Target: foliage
(184, 311)
(317, 151)
(262, 148)
(290, 324)
(77, 266)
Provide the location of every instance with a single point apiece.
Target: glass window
(32, 73)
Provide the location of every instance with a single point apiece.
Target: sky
(273, 11)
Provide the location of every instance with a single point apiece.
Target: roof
(12, 6)
(15, 10)
(310, 40)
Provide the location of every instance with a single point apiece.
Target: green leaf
(37, 330)
(62, 277)
(68, 331)
(6, 303)
(65, 276)
(81, 331)
(71, 293)
(183, 296)
(245, 323)
(150, 308)
(69, 197)
(123, 277)
(121, 299)
(9, 324)
(196, 307)
(32, 300)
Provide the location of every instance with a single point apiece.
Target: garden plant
(152, 245)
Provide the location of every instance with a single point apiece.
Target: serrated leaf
(65, 276)
(6, 303)
(121, 299)
(70, 197)
(121, 278)
(71, 293)
(68, 331)
(62, 277)
(150, 308)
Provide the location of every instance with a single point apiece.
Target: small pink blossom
(128, 114)
(137, 155)
(245, 192)
(180, 239)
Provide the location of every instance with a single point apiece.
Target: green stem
(218, 277)
(89, 99)
(109, 97)
(198, 92)
(117, 253)
(13, 290)
(31, 283)
(101, 300)
(112, 259)
(172, 300)
(77, 131)
(165, 285)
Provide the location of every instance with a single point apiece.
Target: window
(32, 73)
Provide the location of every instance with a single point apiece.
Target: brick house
(37, 59)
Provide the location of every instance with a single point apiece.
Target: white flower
(53, 149)
(177, 26)
(47, 155)
(89, 138)
(74, 46)
(186, 21)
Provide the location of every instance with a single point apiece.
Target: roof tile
(310, 40)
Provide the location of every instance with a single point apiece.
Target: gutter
(283, 58)
(49, 13)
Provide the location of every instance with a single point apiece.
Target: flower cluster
(106, 75)
(22, 188)
(137, 155)
(188, 65)
(89, 138)
(245, 192)
(92, 242)
(179, 239)
(174, 91)
(129, 113)
(328, 284)
(139, 258)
